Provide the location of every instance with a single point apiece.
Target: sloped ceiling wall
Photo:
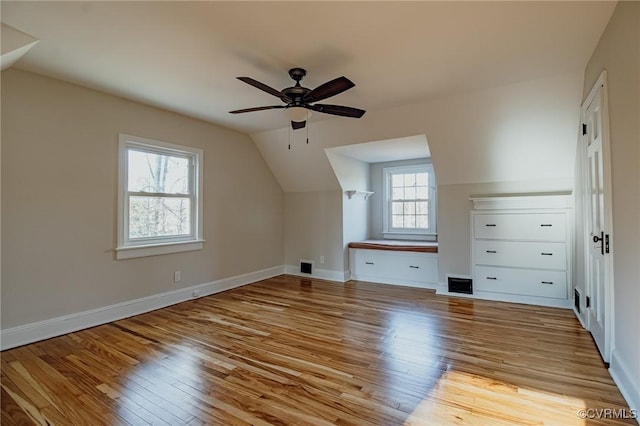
(520, 132)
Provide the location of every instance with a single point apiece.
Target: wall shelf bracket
(364, 194)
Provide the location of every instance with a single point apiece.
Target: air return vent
(306, 266)
(460, 285)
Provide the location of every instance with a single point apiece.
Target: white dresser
(521, 249)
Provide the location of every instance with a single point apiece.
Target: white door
(598, 244)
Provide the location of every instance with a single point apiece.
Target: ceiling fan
(299, 100)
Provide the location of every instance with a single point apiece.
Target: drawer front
(415, 268)
(524, 226)
(521, 281)
(370, 262)
(521, 254)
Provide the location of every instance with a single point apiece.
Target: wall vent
(460, 285)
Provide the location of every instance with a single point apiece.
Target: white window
(159, 198)
(410, 201)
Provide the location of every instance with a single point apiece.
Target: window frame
(150, 246)
(388, 230)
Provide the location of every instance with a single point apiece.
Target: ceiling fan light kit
(300, 101)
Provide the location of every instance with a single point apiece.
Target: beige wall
(313, 228)
(618, 52)
(59, 172)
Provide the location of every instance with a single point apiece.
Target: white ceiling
(184, 56)
(397, 149)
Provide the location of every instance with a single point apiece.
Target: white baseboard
(323, 274)
(504, 297)
(629, 386)
(41, 330)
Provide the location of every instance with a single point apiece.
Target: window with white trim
(159, 198)
(410, 200)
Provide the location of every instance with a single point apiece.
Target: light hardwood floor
(294, 351)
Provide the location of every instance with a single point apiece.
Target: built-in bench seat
(409, 263)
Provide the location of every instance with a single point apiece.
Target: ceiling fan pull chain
(289, 129)
(307, 126)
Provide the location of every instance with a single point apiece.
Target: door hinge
(584, 129)
(587, 302)
(606, 243)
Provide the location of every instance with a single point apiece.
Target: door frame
(600, 85)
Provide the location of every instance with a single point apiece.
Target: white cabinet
(521, 249)
(407, 268)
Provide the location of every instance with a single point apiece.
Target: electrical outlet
(177, 276)
(321, 259)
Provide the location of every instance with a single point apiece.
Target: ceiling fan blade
(328, 89)
(261, 86)
(262, 108)
(344, 111)
(295, 125)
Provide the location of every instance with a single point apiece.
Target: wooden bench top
(397, 245)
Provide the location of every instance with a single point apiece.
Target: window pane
(409, 208)
(149, 172)
(397, 208)
(409, 221)
(422, 221)
(410, 179)
(159, 217)
(422, 207)
(398, 194)
(422, 179)
(397, 181)
(410, 193)
(397, 221)
(422, 192)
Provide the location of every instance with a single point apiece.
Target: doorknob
(600, 238)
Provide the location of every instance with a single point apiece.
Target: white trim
(609, 314)
(387, 229)
(158, 249)
(323, 274)
(628, 385)
(530, 201)
(29, 333)
(442, 289)
(151, 246)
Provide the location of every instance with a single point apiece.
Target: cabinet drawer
(370, 262)
(521, 281)
(522, 226)
(521, 254)
(414, 268)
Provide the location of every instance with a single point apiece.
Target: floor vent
(460, 285)
(306, 267)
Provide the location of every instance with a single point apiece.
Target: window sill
(158, 249)
(409, 236)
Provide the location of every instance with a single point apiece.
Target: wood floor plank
(293, 351)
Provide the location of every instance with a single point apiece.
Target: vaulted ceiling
(184, 56)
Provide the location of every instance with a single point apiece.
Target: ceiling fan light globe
(298, 114)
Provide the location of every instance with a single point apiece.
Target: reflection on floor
(292, 351)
